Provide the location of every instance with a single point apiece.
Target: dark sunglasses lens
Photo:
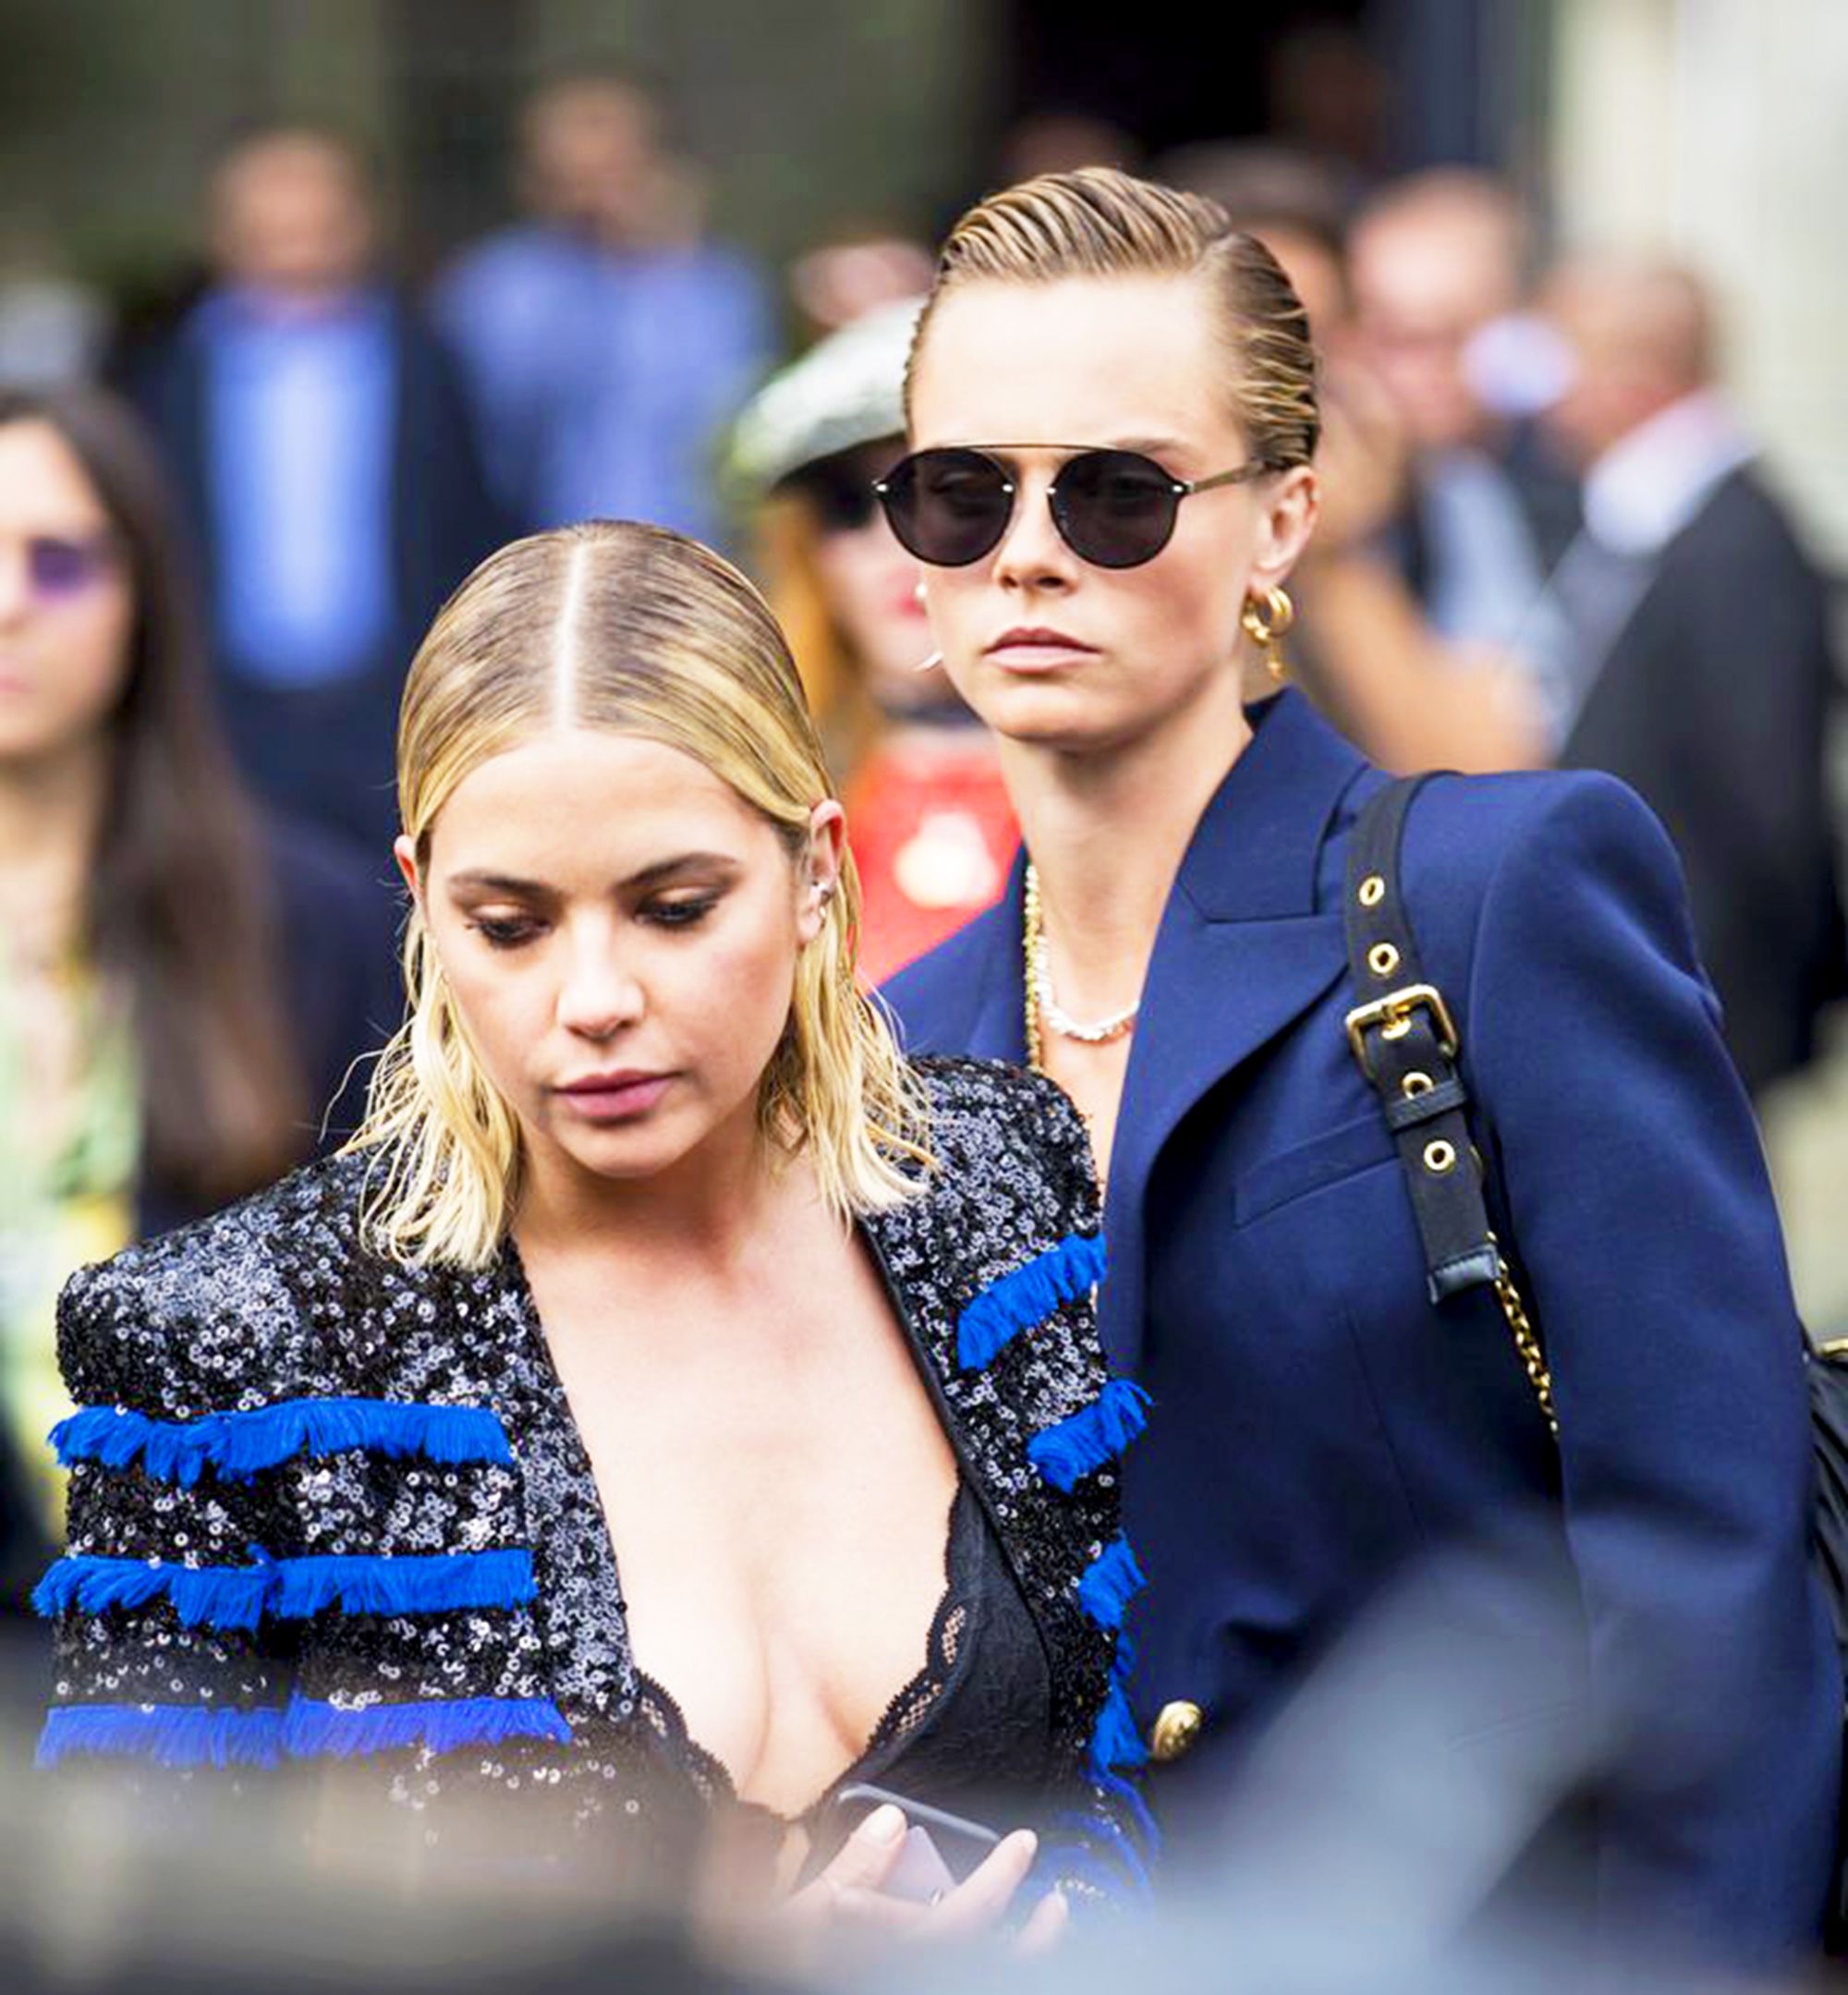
(1116, 507)
(57, 568)
(948, 508)
(843, 502)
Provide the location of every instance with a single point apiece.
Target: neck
(1107, 831)
(702, 1214)
(50, 822)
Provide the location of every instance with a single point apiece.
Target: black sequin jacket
(305, 1482)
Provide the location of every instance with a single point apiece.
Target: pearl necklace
(1041, 1006)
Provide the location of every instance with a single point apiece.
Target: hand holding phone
(939, 1850)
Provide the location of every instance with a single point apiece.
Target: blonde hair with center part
(1097, 222)
(640, 631)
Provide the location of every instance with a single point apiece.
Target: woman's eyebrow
(492, 883)
(1153, 447)
(661, 872)
(664, 871)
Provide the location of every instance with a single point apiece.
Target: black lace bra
(970, 1733)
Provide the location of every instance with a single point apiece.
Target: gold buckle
(1393, 1014)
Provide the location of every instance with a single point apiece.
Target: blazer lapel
(997, 1018)
(1242, 952)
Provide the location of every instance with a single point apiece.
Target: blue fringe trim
(1104, 1839)
(169, 1734)
(407, 1583)
(444, 1724)
(239, 1444)
(1115, 1742)
(1067, 1453)
(238, 1597)
(1130, 1795)
(1027, 1295)
(190, 1735)
(1083, 1864)
(1110, 1581)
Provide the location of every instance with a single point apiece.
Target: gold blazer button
(1175, 1730)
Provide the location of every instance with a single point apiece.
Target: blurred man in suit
(1700, 665)
(318, 431)
(607, 339)
(1436, 264)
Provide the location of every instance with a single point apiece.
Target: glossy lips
(1037, 648)
(618, 1097)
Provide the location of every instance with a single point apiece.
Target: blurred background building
(546, 250)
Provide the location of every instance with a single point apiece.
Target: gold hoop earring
(1264, 623)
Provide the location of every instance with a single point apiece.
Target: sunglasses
(841, 496)
(1113, 508)
(60, 567)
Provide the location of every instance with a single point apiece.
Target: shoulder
(1467, 836)
(997, 1129)
(1546, 884)
(501, 258)
(212, 1315)
(927, 994)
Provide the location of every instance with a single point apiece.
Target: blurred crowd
(1547, 538)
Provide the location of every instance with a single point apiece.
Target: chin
(1057, 716)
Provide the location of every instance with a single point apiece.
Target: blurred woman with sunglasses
(181, 988)
(1113, 413)
(933, 830)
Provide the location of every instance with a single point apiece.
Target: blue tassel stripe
(1027, 1295)
(169, 1734)
(1115, 1742)
(1065, 1453)
(192, 1735)
(238, 1597)
(1104, 1840)
(443, 1725)
(1130, 1795)
(1082, 1864)
(1110, 1581)
(239, 1444)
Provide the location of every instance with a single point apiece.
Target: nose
(1032, 555)
(598, 997)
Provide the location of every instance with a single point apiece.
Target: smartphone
(940, 1850)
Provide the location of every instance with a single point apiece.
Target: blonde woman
(674, 1407)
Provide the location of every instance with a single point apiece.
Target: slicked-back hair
(1097, 222)
(639, 630)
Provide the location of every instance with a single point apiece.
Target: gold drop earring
(1264, 622)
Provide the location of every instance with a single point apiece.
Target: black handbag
(1405, 1038)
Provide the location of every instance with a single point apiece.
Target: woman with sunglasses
(933, 830)
(1112, 416)
(182, 986)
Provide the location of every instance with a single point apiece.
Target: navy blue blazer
(1318, 1424)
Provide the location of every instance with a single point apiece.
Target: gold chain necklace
(1042, 1007)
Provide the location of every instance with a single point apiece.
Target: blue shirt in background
(300, 440)
(602, 379)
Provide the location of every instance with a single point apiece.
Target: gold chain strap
(1029, 944)
(1526, 1338)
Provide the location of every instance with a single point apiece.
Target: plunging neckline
(634, 1680)
(961, 1591)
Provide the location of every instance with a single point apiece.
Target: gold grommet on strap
(1382, 959)
(1372, 890)
(1416, 1084)
(1439, 1156)
(1175, 1730)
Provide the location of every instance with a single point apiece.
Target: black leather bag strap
(1402, 1033)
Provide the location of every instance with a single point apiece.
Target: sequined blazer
(305, 1481)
